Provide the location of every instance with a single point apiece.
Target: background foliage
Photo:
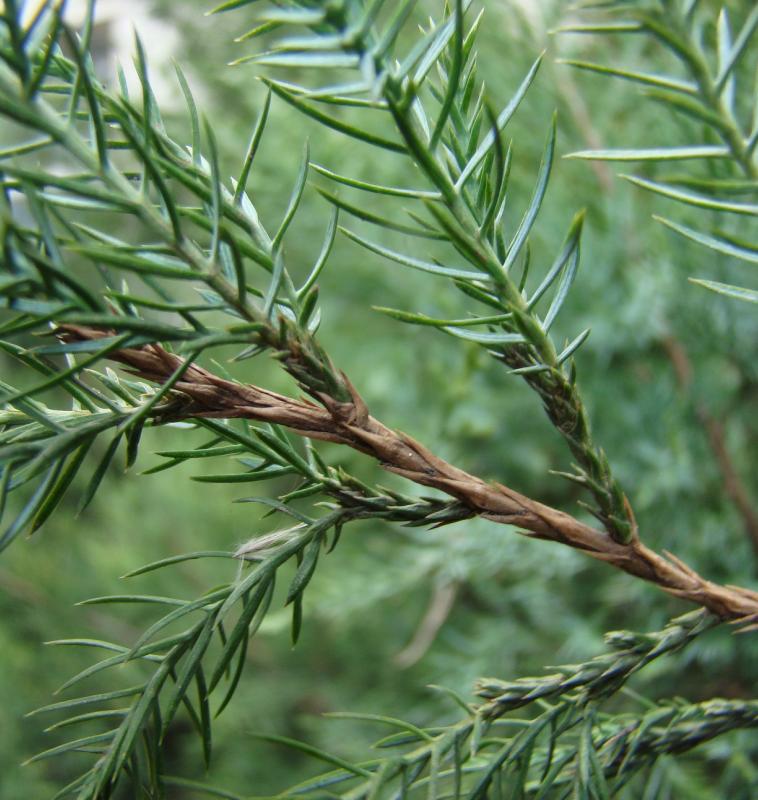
(516, 605)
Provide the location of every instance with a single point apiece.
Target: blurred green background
(507, 606)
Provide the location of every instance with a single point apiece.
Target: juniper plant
(204, 273)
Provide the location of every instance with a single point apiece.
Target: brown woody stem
(349, 423)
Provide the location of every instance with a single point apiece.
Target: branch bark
(350, 423)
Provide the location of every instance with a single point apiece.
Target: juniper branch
(205, 395)
(603, 675)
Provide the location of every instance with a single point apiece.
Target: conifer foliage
(128, 260)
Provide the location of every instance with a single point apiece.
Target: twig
(203, 394)
(440, 606)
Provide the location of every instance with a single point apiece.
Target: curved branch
(204, 394)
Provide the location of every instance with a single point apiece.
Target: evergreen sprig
(716, 61)
(602, 676)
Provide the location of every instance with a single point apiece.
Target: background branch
(734, 486)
